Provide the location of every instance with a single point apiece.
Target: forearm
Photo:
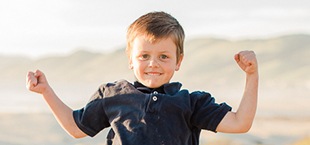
(62, 113)
(247, 108)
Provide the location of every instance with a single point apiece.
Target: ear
(179, 62)
(130, 66)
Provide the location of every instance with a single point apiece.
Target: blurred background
(80, 45)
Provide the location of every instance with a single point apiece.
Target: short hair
(156, 26)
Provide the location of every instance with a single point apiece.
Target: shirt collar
(169, 88)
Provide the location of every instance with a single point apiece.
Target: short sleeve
(92, 119)
(207, 114)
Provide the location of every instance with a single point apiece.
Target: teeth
(153, 74)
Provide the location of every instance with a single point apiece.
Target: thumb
(237, 57)
(39, 75)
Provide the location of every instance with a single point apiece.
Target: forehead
(163, 44)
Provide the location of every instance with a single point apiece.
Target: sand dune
(283, 58)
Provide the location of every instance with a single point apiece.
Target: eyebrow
(165, 51)
(145, 51)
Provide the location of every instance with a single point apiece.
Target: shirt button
(154, 98)
(155, 92)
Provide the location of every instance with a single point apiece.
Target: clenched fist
(247, 61)
(36, 82)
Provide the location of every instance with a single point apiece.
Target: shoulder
(113, 88)
(200, 94)
(115, 84)
(195, 96)
(201, 97)
(116, 88)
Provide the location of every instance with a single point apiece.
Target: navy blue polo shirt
(138, 115)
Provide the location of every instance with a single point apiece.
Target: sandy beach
(42, 128)
(26, 119)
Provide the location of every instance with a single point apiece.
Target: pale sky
(40, 27)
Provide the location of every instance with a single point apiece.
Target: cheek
(138, 67)
(137, 64)
(172, 66)
(134, 62)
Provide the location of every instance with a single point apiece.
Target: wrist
(253, 74)
(47, 91)
(252, 77)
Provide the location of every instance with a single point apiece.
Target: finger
(30, 76)
(40, 76)
(31, 80)
(245, 57)
(250, 58)
(38, 73)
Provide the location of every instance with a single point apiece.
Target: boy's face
(154, 63)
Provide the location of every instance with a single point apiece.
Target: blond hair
(155, 26)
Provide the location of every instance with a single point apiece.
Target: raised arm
(37, 82)
(241, 120)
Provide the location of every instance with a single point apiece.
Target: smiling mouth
(153, 73)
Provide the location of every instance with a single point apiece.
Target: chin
(153, 85)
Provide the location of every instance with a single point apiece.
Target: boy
(153, 111)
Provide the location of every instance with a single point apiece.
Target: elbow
(77, 134)
(245, 128)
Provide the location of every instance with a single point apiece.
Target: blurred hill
(209, 65)
(282, 60)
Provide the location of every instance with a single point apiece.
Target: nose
(153, 63)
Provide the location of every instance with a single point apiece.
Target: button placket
(155, 97)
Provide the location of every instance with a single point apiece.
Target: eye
(163, 56)
(144, 57)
